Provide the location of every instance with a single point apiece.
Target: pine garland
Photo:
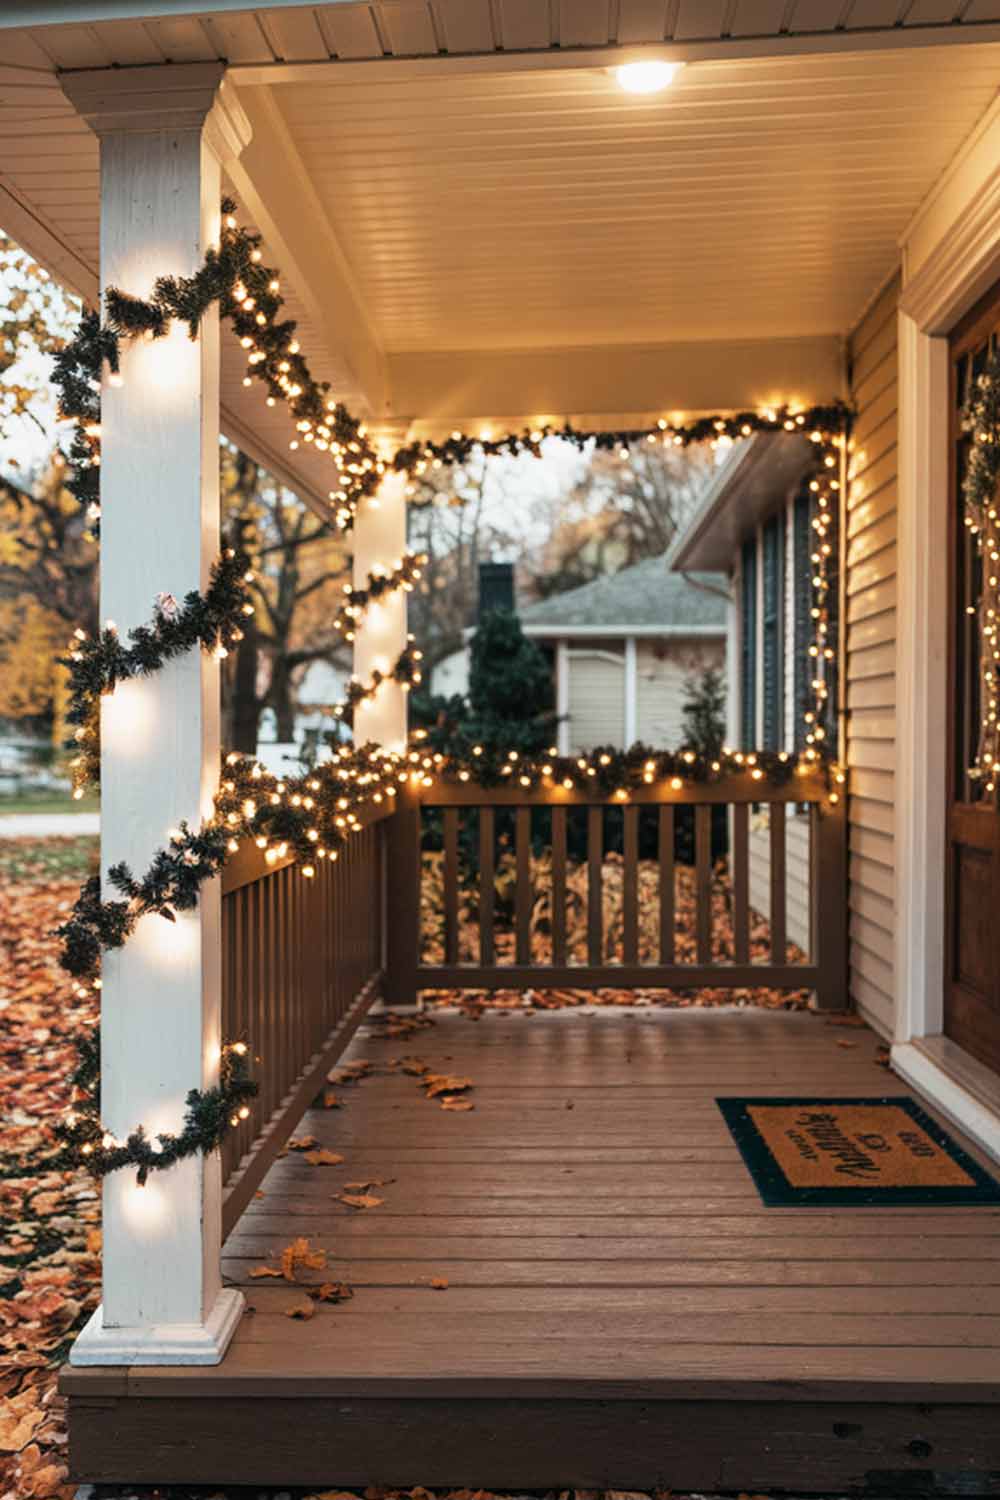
(981, 419)
(248, 296)
(405, 670)
(380, 583)
(97, 666)
(209, 1115)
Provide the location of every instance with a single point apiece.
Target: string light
(981, 419)
(380, 584)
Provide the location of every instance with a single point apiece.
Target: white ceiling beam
(609, 387)
(277, 192)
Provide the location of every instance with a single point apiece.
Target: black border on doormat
(777, 1192)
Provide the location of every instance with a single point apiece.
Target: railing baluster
(595, 893)
(630, 886)
(779, 945)
(667, 891)
(703, 881)
(559, 884)
(741, 883)
(487, 890)
(451, 885)
(522, 902)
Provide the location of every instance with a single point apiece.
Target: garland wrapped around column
(981, 420)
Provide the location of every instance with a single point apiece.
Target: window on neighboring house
(802, 596)
(772, 624)
(748, 645)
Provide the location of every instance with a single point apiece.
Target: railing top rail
(249, 863)
(811, 786)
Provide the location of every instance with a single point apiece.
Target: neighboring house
(754, 524)
(623, 648)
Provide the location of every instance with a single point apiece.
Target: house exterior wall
(869, 654)
(663, 668)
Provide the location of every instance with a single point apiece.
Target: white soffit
(549, 210)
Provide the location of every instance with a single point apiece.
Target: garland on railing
(248, 295)
(209, 1115)
(97, 666)
(380, 583)
(981, 419)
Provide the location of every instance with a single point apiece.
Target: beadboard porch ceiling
(468, 239)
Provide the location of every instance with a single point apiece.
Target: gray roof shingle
(644, 596)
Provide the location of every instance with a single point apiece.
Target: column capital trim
(177, 96)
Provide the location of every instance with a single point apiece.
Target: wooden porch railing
(822, 970)
(301, 964)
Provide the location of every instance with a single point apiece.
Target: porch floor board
(620, 1308)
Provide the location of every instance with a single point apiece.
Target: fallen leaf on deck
(439, 1283)
(843, 1042)
(302, 1143)
(260, 1271)
(350, 1072)
(299, 1254)
(330, 1100)
(444, 1083)
(323, 1158)
(851, 1019)
(301, 1310)
(454, 1104)
(366, 1183)
(359, 1200)
(331, 1291)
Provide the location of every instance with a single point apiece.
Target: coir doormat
(878, 1152)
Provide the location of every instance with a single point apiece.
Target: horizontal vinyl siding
(870, 676)
(596, 700)
(796, 873)
(663, 669)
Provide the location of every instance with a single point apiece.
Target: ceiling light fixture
(646, 77)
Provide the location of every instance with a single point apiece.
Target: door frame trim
(953, 278)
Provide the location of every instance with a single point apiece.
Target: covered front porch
(575, 1283)
(481, 240)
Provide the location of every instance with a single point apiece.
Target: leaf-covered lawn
(50, 1257)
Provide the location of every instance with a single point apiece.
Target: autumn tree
(301, 566)
(629, 504)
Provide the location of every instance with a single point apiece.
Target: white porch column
(379, 542)
(162, 133)
(562, 697)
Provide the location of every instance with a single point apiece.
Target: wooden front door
(972, 875)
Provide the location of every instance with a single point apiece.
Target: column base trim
(948, 1094)
(161, 1343)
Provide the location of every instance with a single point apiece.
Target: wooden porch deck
(620, 1308)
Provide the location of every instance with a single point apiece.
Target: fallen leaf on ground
(331, 1291)
(302, 1143)
(301, 1310)
(439, 1283)
(323, 1158)
(330, 1100)
(359, 1200)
